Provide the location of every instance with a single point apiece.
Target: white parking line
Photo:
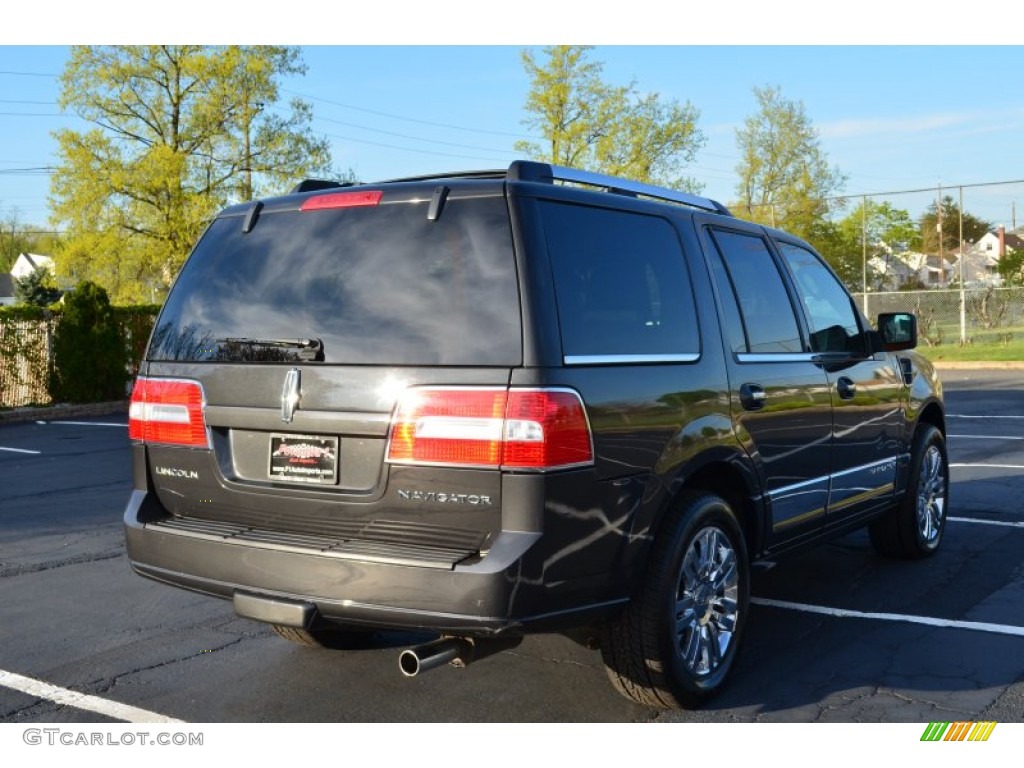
(990, 466)
(968, 416)
(1004, 523)
(39, 689)
(988, 437)
(20, 450)
(977, 626)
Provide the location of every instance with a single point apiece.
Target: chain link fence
(972, 316)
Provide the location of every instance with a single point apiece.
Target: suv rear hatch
(294, 328)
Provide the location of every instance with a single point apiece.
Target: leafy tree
(785, 178)
(590, 124)
(1011, 268)
(89, 355)
(888, 232)
(974, 228)
(36, 288)
(179, 131)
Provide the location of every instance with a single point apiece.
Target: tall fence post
(963, 296)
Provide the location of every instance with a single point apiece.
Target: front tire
(914, 529)
(675, 644)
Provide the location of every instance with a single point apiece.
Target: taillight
(358, 199)
(168, 411)
(530, 429)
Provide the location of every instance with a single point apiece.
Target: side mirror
(898, 330)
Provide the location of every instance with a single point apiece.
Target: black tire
(324, 636)
(676, 642)
(914, 528)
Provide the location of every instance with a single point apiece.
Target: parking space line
(20, 450)
(969, 416)
(990, 466)
(1004, 523)
(976, 626)
(988, 437)
(63, 696)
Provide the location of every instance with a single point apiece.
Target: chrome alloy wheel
(707, 608)
(931, 495)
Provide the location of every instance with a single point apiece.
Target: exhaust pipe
(423, 658)
(457, 651)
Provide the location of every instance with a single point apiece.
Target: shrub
(89, 355)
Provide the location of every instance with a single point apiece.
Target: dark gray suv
(493, 403)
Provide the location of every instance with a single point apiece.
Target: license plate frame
(304, 459)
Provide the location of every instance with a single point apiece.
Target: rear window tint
(621, 283)
(375, 285)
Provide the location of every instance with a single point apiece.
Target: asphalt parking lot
(837, 634)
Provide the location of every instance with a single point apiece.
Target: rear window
(621, 284)
(372, 285)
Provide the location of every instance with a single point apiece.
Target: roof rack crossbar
(542, 172)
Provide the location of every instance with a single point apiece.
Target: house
(27, 263)
(893, 271)
(6, 290)
(981, 259)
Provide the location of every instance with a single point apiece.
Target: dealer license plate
(304, 459)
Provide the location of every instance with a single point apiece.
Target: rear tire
(914, 529)
(676, 642)
(324, 636)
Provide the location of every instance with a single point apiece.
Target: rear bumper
(396, 590)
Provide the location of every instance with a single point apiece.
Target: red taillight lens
(511, 428)
(167, 411)
(545, 429)
(358, 199)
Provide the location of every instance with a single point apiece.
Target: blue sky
(890, 117)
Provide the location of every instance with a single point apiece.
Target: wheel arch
(732, 476)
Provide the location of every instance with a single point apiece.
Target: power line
(409, 119)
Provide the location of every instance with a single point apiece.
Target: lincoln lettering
(187, 474)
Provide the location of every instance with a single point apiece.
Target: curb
(999, 365)
(62, 411)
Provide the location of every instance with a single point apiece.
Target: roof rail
(526, 170)
(544, 173)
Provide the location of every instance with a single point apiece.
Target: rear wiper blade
(309, 349)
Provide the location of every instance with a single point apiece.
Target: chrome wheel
(931, 495)
(707, 601)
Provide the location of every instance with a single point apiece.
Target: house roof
(1016, 242)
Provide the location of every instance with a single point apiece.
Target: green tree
(974, 228)
(36, 288)
(1011, 268)
(89, 355)
(785, 178)
(178, 132)
(887, 232)
(590, 124)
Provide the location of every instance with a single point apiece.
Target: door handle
(847, 388)
(752, 397)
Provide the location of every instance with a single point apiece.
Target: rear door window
(374, 285)
(769, 325)
(621, 284)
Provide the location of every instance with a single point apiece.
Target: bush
(89, 355)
